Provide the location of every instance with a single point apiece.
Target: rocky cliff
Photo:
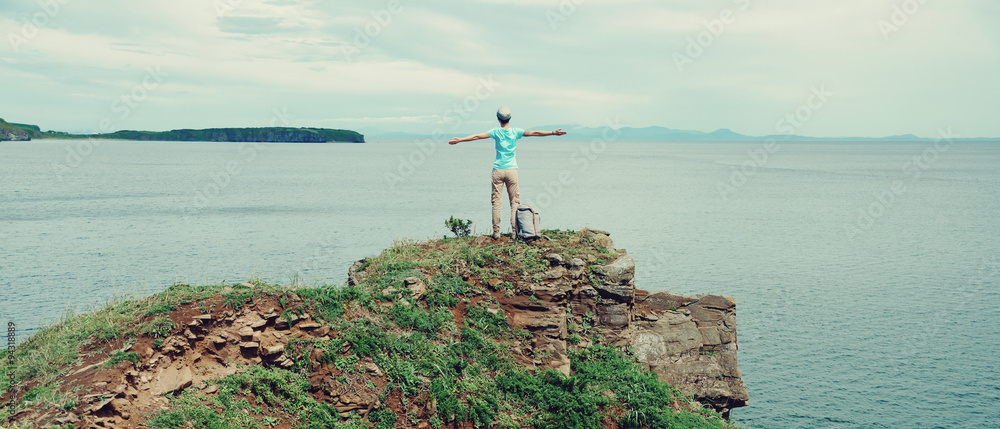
(689, 341)
(11, 132)
(458, 333)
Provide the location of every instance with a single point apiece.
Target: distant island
(23, 132)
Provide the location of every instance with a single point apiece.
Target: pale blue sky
(233, 62)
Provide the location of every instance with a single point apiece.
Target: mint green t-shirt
(506, 142)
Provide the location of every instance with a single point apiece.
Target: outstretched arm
(481, 136)
(558, 132)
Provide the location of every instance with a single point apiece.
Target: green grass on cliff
(282, 389)
(465, 372)
(44, 358)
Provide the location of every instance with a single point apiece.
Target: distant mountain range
(668, 134)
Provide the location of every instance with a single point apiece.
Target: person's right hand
(454, 141)
(559, 132)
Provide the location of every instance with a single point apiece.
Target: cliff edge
(689, 341)
(13, 132)
(458, 333)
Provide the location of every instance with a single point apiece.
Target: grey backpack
(527, 223)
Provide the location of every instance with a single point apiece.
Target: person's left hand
(559, 132)
(454, 141)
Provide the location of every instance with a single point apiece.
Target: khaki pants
(501, 177)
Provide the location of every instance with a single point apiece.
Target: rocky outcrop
(16, 132)
(9, 132)
(576, 292)
(688, 340)
(202, 347)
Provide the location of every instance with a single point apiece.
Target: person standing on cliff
(505, 165)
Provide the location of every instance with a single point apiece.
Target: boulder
(174, 344)
(172, 379)
(416, 286)
(321, 331)
(554, 273)
(619, 272)
(617, 279)
(121, 406)
(246, 333)
(284, 362)
(600, 237)
(355, 274)
(272, 351)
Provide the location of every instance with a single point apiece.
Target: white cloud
(606, 58)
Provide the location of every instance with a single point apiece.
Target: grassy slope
(27, 127)
(449, 351)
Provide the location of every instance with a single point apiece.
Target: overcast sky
(417, 66)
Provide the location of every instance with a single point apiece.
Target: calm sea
(866, 275)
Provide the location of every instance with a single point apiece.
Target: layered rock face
(688, 340)
(15, 134)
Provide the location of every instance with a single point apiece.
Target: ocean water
(866, 279)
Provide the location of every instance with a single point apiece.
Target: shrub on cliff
(459, 227)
